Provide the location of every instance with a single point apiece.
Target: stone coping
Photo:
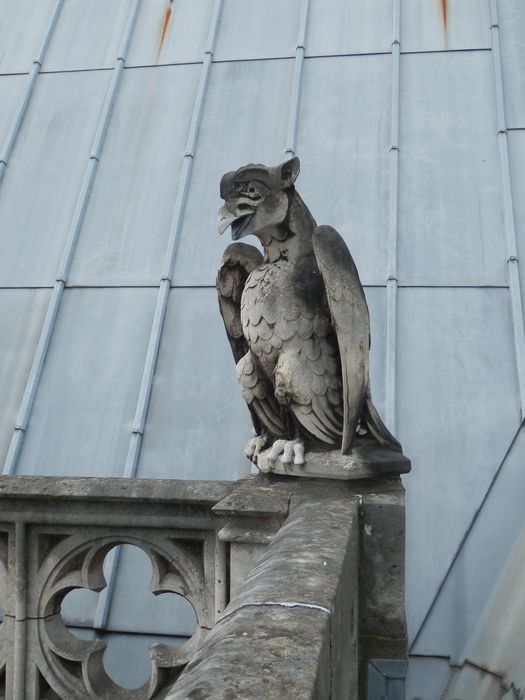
(293, 619)
(114, 489)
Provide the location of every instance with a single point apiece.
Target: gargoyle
(297, 321)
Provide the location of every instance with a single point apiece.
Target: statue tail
(375, 425)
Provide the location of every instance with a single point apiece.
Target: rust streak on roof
(444, 10)
(165, 22)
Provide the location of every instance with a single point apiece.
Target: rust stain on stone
(164, 28)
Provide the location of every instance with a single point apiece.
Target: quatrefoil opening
(86, 667)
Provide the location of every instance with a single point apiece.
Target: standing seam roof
(407, 153)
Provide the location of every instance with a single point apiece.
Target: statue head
(256, 197)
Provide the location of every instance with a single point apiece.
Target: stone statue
(298, 325)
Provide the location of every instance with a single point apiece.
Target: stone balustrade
(296, 583)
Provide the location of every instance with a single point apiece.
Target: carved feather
(349, 313)
(238, 261)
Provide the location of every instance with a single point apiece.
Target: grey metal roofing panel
(87, 35)
(22, 314)
(494, 651)
(124, 236)
(170, 32)
(168, 613)
(511, 17)
(386, 679)
(511, 694)
(126, 658)
(474, 574)
(457, 412)
(343, 143)
(254, 29)
(444, 25)
(426, 678)
(471, 682)
(23, 24)
(82, 416)
(450, 199)
(497, 640)
(516, 141)
(79, 606)
(239, 126)
(376, 299)
(41, 184)
(11, 91)
(355, 26)
(197, 422)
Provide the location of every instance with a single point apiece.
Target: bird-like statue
(297, 321)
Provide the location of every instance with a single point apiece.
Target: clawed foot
(287, 449)
(254, 446)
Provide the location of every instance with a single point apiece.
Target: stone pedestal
(317, 582)
(363, 462)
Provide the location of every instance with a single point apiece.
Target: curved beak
(238, 222)
(225, 219)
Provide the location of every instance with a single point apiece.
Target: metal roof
(118, 120)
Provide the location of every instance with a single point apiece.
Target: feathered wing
(350, 319)
(238, 261)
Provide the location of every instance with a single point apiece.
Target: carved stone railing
(296, 584)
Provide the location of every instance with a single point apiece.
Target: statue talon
(276, 450)
(254, 446)
(286, 450)
(298, 452)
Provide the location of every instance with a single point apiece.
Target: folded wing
(350, 319)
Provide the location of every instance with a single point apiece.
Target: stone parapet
(296, 584)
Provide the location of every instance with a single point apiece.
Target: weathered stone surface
(104, 489)
(361, 463)
(261, 652)
(255, 512)
(297, 321)
(291, 629)
(54, 535)
(293, 577)
(305, 559)
(254, 497)
(382, 627)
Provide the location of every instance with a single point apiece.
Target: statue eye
(254, 190)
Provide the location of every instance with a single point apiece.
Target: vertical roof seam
(14, 129)
(157, 326)
(138, 428)
(514, 287)
(291, 135)
(26, 406)
(139, 421)
(393, 215)
(100, 619)
(508, 210)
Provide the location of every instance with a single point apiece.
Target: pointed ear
(290, 171)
